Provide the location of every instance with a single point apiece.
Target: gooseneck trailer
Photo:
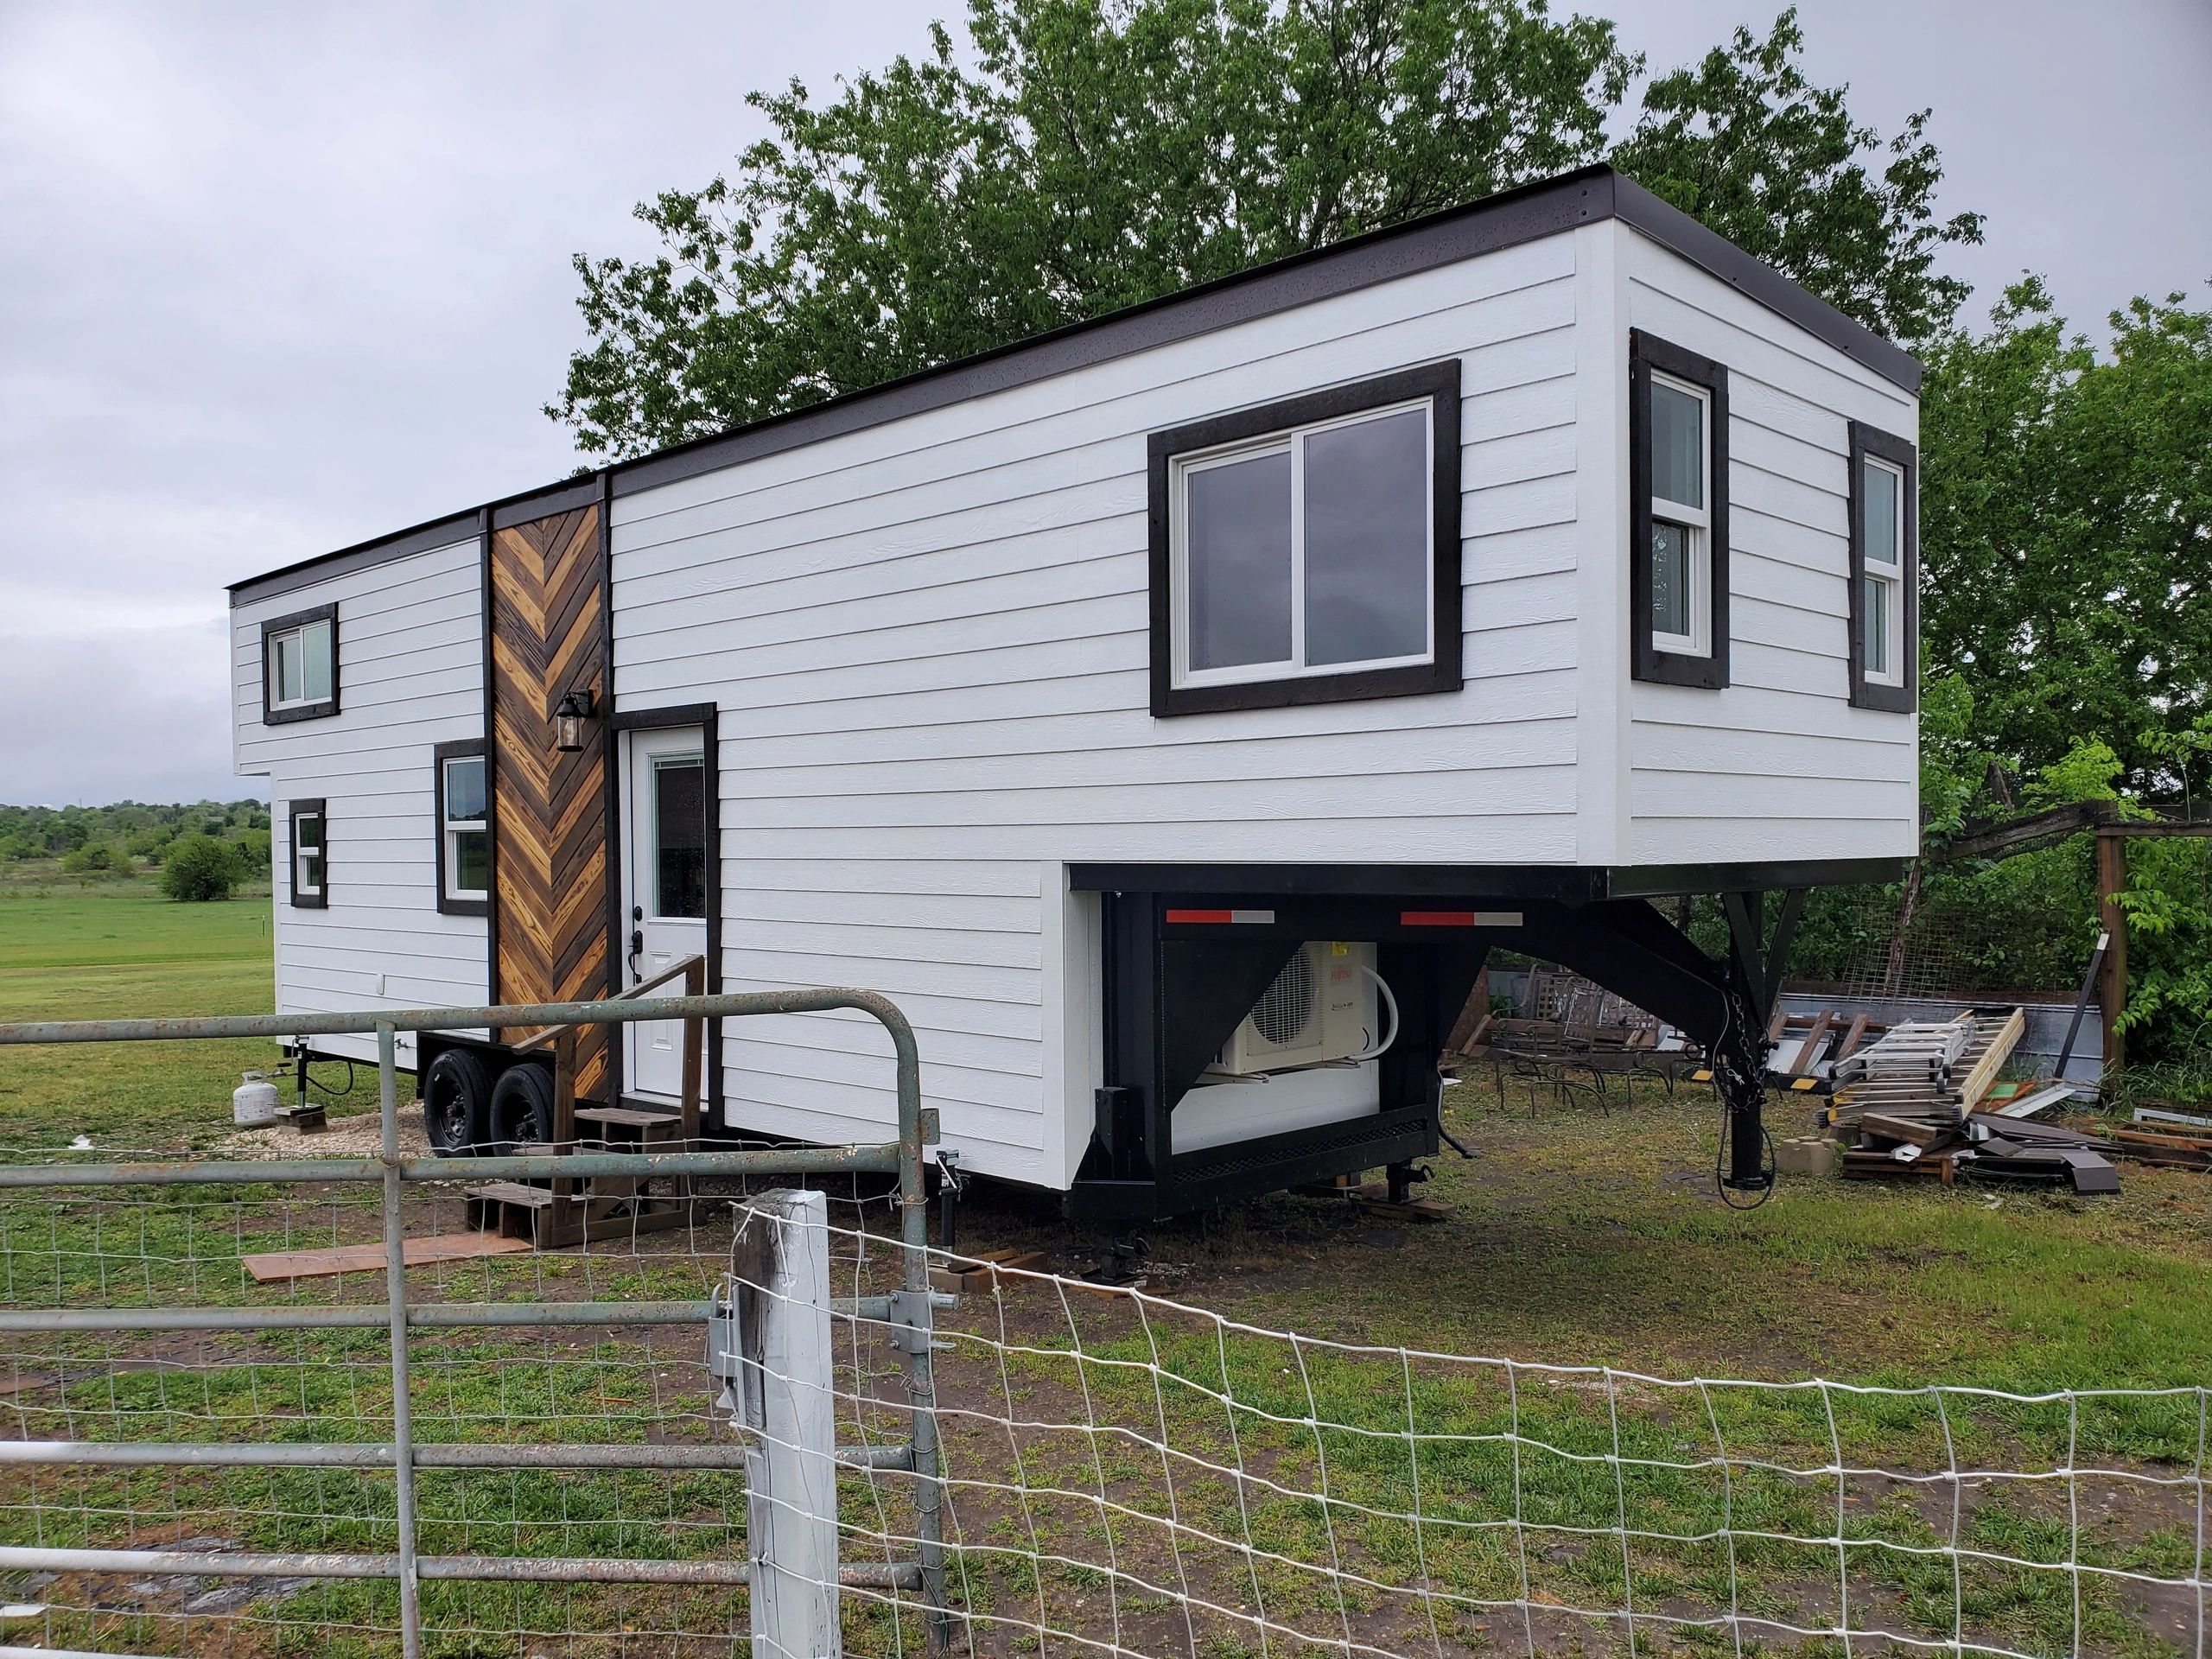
(1170, 712)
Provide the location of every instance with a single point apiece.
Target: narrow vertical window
(1885, 558)
(299, 665)
(1678, 551)
(464, 828)
(310, 845)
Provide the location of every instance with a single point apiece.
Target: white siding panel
(409, 676)
(1777, 766)
(928, 642)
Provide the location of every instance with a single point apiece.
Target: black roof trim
(1585, 196)
(1755, 279)
(564, 497)
(420, 538)
(1572, 883)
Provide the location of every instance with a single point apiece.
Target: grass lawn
(1579, 1234)
(109, 950)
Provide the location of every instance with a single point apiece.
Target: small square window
(299, 666)
(310, 855)
(1678, 538)
(1308, 551)
(464, 828)
(1883, 570)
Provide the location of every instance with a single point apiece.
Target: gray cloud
(278, 277)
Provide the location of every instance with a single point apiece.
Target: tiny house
(1168, 712)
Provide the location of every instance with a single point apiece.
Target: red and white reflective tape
(1458, 919)
(1219, 917)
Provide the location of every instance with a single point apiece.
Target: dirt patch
(359, 1135)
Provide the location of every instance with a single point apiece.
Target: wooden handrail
(675, 970)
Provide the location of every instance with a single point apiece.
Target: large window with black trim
(1885, 569)
(1678, 512)
(1308, 550)
(299, 665)
(310, 838)
(464, 855)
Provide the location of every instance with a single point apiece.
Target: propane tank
(253, 1102)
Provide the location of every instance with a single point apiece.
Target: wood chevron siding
(549, 637)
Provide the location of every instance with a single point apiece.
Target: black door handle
(636, 944)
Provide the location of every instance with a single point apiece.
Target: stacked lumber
(2170, 1145)
(1929, 1072)
(1983, 1147)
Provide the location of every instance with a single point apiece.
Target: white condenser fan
(1320, 1009)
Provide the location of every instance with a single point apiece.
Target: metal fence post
(395, 1284)
(780, 1259)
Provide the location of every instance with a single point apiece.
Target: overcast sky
(278, 277)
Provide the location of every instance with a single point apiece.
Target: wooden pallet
(976, 1273)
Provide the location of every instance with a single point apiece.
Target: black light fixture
(568, 717)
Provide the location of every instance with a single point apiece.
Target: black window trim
(460, 749)
(272, 715)
(1647, 353)
(1904, 696)
(1439, 382)
(300, 807)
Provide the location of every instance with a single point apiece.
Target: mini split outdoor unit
(1320, 1010)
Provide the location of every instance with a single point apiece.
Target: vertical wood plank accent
(549, 604)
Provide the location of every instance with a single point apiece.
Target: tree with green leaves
(200, 868)
(1086, 154)
(2066, 535)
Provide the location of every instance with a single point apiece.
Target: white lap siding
(1778, 765)
(928, 644)
(409, 676)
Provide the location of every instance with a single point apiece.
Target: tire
(457, 1104)
(522, 1108)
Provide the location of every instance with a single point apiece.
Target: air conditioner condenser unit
(1320, 1009)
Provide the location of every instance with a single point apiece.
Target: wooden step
(627, 1117)
(534, 1197)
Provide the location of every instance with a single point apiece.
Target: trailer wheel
(522, 1108)
(457, 1102)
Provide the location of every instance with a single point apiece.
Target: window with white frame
(299, 665)
(1681, 546)
(1885, 569)
(464, 830)
(1882, 586)
(1304, 551)
(1678, 511)
(310, 855)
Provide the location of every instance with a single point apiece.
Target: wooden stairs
(566, 1210)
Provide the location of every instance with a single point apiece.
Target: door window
(679, 863)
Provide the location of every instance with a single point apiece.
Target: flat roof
(1585, 196)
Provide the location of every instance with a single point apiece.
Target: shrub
(253, 848)
(201, 868)
(94, 858)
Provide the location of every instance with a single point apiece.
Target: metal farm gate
(117, 1308)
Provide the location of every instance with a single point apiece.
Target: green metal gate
(402, 1453)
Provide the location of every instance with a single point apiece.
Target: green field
(1581, 1233)
(1584, 1233)
(114, 949)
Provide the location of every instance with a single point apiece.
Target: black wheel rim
(448, 1118)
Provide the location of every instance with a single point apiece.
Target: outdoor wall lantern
(568, 717)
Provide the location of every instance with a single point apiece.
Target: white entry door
(665, 897)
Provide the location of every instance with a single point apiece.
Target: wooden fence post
(780, 1263)
(2112, 882)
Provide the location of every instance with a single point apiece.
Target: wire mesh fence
(1123, 1474)
(1130, 1475)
